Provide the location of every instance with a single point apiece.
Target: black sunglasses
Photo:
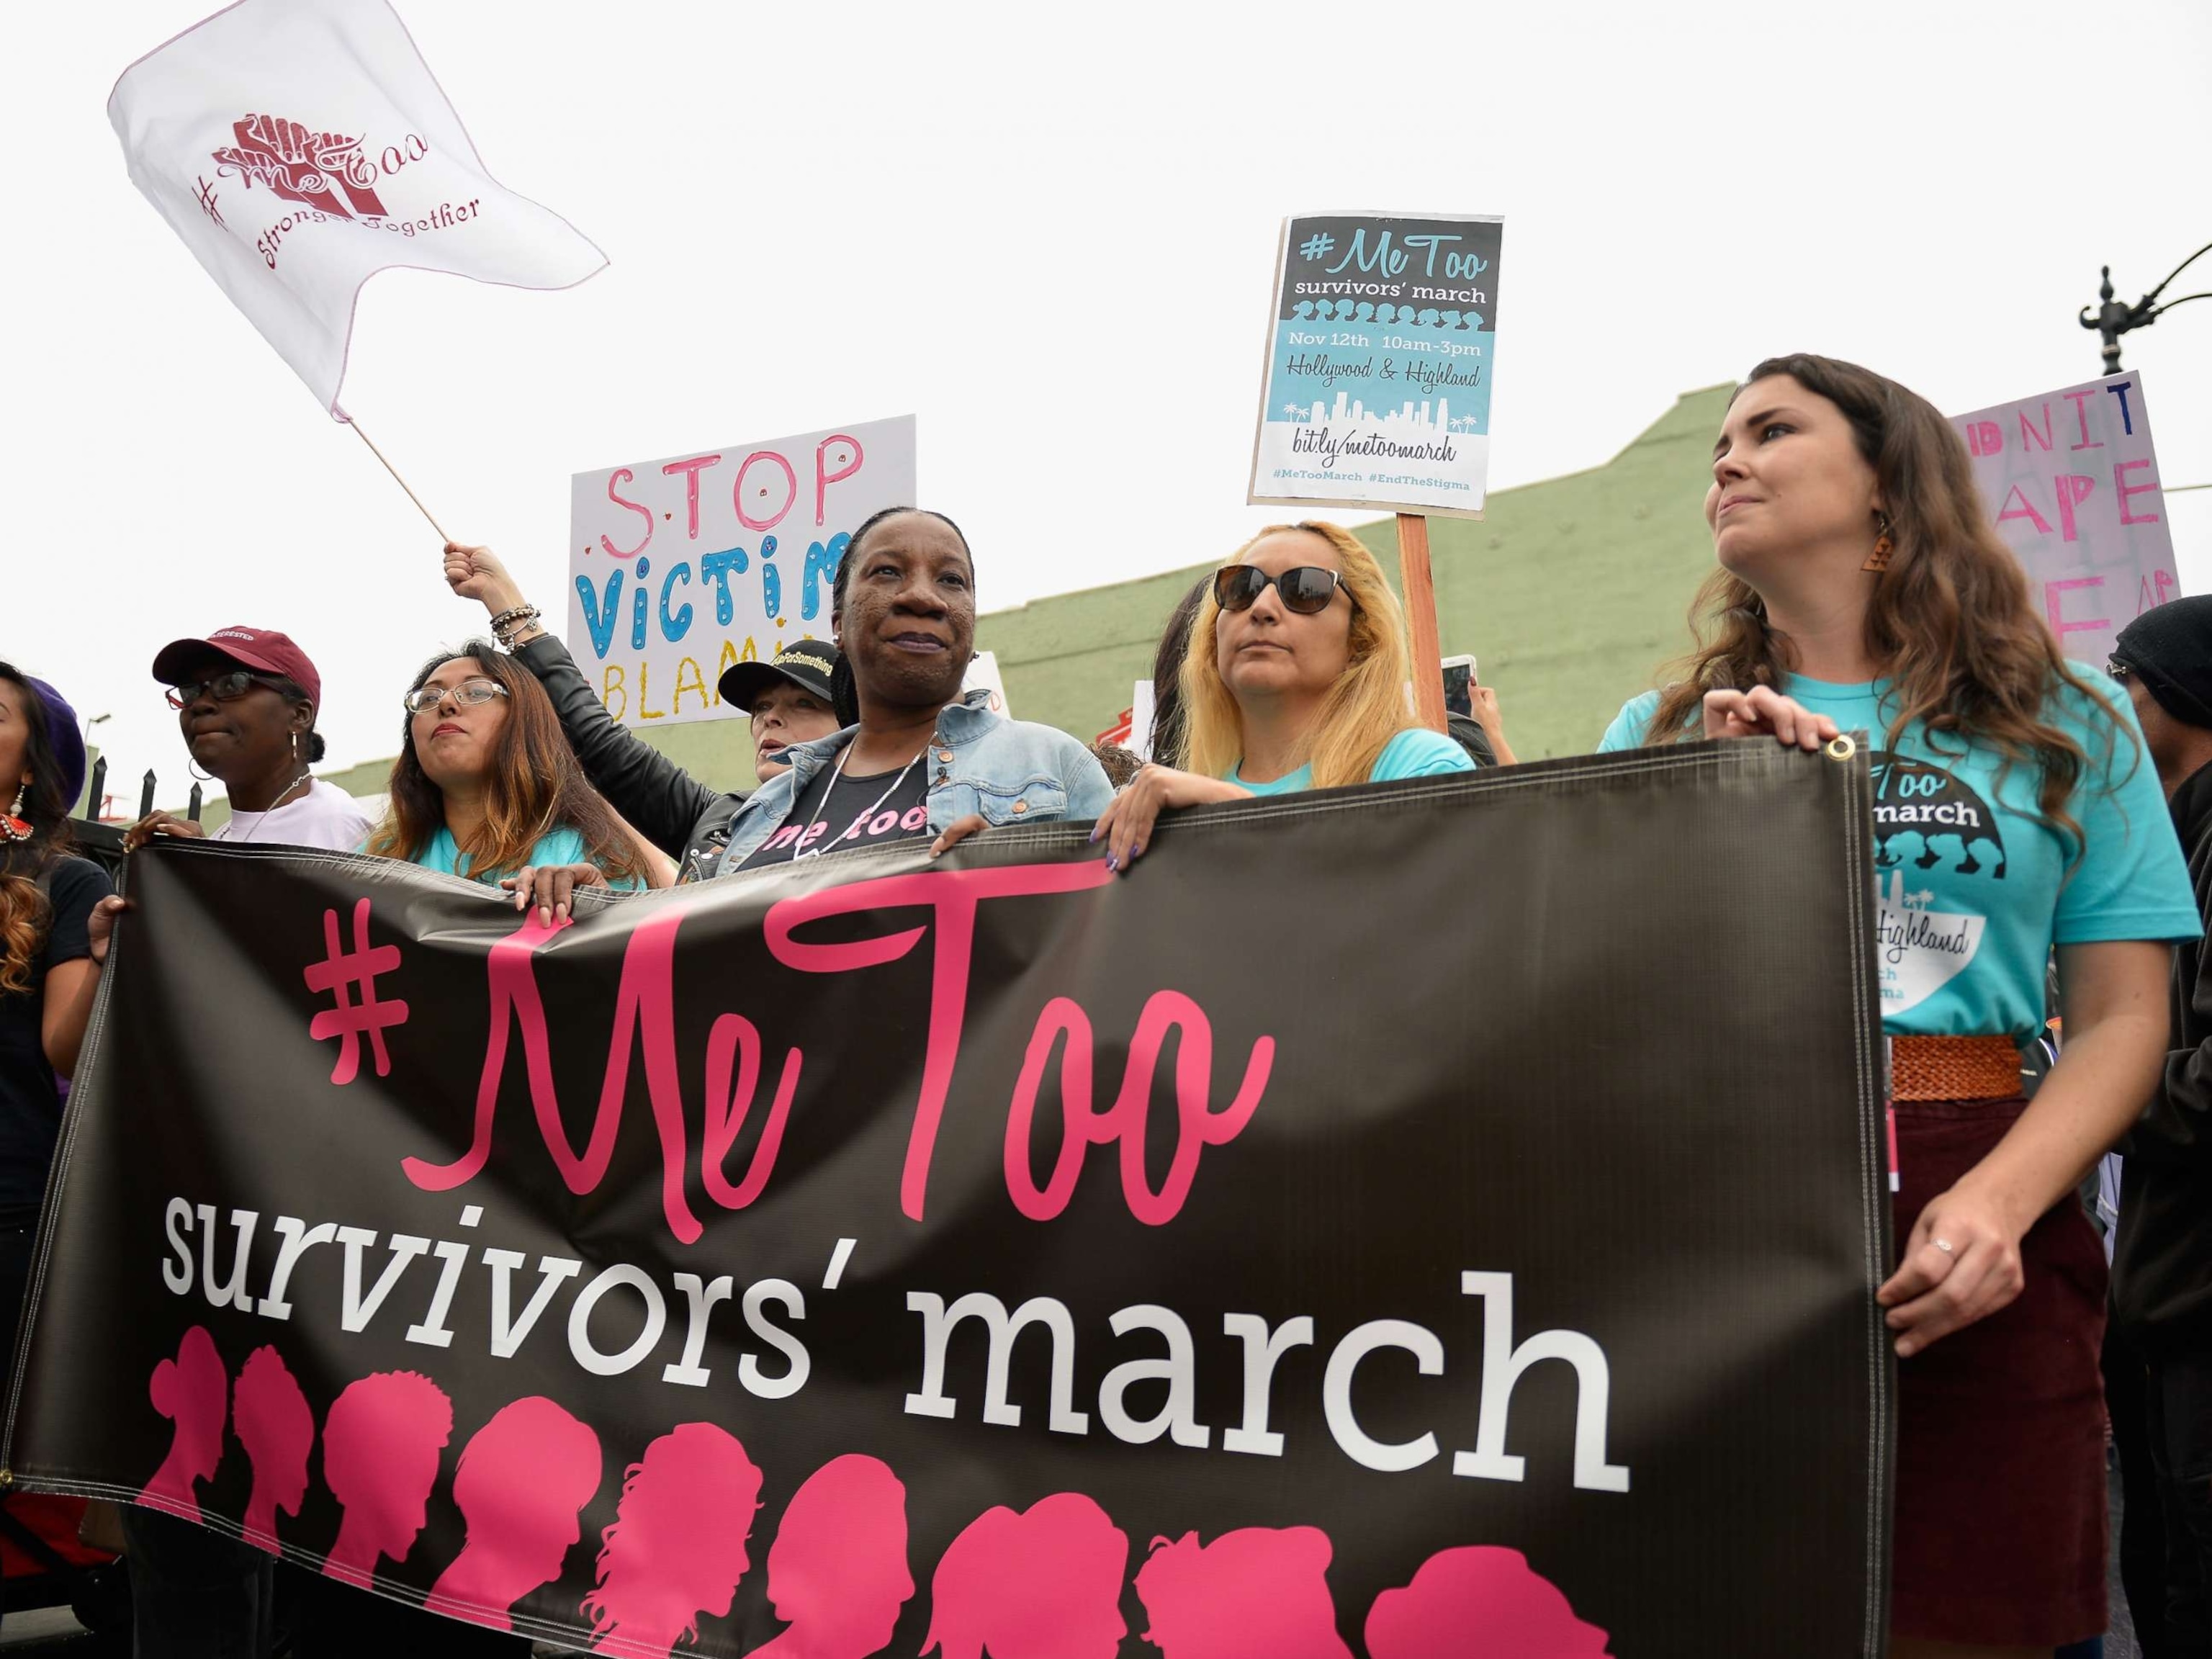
(223, 688)
(1305, 588)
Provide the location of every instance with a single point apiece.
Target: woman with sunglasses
(246, 701)
(486, 786)
(1295, 679)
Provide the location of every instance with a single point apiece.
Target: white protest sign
(681, 567)
(2073, 486)
(1141, 720)
(983, 675)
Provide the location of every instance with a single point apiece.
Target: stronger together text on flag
(1443, 1207)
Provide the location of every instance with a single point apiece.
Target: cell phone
(1459, 684)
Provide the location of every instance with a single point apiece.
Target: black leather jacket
(663, 803)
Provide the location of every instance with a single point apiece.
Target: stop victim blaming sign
(2073, 484)
(681, 567)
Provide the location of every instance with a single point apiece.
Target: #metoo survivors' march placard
(1380, 348)
(2072, 482)
(1256, 1254)
(680, 567)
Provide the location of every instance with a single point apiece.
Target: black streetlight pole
(2114, 319)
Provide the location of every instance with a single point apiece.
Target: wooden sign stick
(1421, 619)
(418, 500)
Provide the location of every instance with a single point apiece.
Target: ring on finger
(1942, 1244)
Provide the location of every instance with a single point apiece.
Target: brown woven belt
(1953, 1068)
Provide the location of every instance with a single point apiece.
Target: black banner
(1434, 1219)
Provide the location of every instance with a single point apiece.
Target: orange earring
(1878, 561)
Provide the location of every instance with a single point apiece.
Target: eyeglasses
(1305, 588)
(223, 688)
(424, 698)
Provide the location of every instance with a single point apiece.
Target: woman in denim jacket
(914, 758)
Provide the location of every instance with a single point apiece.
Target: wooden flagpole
(1421, 619)
(443, 537)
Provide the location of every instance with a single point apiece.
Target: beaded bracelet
(508, 624)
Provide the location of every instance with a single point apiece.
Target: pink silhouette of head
(677, 1548)
(1258, 1589)
(1475, 1601)
(192, 1391)
(522, 1479)
(380, 1453)
(1042, 1584)
(837, 1572)
(277, 1429)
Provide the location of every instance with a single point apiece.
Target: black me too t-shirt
(857, 812)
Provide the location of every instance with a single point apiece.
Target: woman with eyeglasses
(246, 701)
(1861, 586)
(487, 788)
(1296, 677)
(788, 700)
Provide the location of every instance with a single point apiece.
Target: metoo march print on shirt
(1936, 845)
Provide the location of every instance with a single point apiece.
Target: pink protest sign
(2072, 482)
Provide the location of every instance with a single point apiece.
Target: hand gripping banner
(1436, 1218)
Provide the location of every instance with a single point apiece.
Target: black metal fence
(103, 842)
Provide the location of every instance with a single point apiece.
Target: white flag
(301, 146)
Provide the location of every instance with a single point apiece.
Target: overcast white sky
(1014, 220)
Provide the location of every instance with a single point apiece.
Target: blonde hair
(1364, 710)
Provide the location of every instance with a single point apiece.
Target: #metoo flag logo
(299, 214)
(315, 169)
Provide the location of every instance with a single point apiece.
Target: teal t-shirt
(561, 846)
(1972, 891)
(1415, 753)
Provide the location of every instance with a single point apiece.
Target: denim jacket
(1009, 771)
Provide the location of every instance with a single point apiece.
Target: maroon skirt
(1999, 1535)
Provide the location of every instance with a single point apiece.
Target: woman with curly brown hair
(1861, 587)
(56, 913)
(53, 937)
(486, 786)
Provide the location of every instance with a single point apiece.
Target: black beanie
(2169, 649)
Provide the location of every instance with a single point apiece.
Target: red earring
(12, 822)
(1878, 561)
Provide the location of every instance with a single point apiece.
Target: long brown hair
(1951, 620)
(535, 785)
(1364, 710)
(25, 915)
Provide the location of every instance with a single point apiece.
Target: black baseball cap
(806, 664)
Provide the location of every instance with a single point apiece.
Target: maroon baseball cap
(258, 648)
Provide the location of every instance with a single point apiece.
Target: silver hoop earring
(189, 767)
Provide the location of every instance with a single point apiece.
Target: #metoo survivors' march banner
(1435, 1219)
(2072, 480)
(1379, 346)
(679, 568)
